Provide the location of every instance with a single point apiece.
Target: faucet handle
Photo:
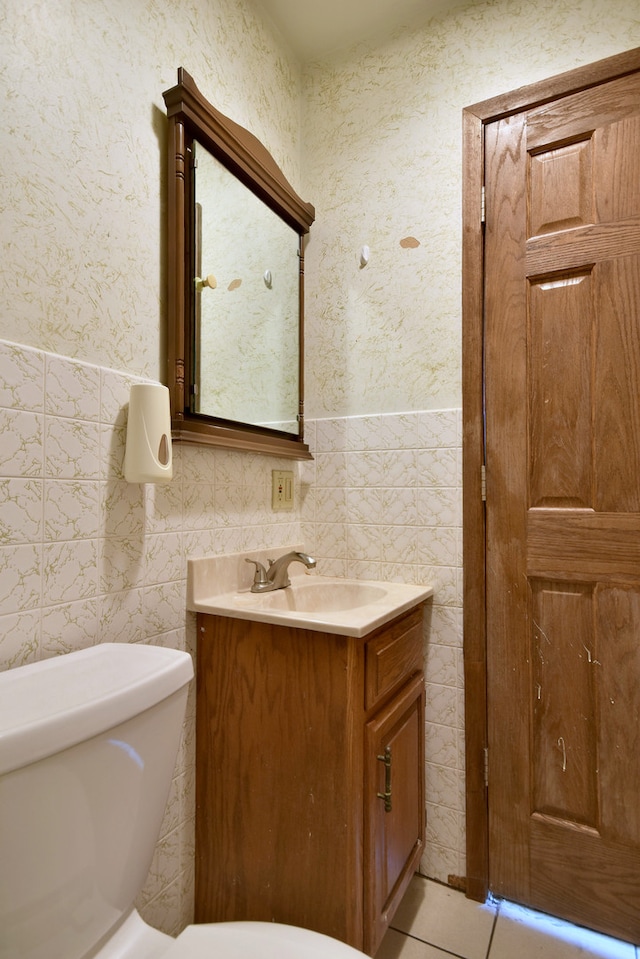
(260, 581)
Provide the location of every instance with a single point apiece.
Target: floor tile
(531, 935)
(396, 945)
(446, 919)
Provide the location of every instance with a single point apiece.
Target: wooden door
(562, 362)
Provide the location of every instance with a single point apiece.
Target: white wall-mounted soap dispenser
(148, 456)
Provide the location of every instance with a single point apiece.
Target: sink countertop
(221, 586)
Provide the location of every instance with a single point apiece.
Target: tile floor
(436, 922)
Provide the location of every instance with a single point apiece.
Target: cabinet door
(394, 806)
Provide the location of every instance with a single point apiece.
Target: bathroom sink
(317, 596)
(220, 585)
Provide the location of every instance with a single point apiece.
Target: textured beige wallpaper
(86, 557)
(82, 270)
(83, 178)
(382, 164)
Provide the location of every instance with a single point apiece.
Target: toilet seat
(248, 940)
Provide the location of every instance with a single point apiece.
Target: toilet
(88, 743)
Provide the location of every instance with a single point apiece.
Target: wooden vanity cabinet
(300, 734)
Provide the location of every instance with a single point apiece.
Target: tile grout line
(446, 952)
(493, 929)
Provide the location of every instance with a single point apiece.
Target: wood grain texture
(582, 545)
(561, 337)
(507, 493)
(473, 510)
(574, 116)
(191, 118)
(563, 419)
(561, 197)
(277, 765)
(549, 255)
(618, 657)
(393, 657)
(555, 852)
(476, 118)
(564, 729)
(617, 386)
(283, 819)
(395, 840)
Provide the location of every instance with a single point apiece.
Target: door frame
(473, 514)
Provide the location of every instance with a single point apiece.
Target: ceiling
(316, 28)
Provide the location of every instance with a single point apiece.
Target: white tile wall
(383, 500)
(86, 557)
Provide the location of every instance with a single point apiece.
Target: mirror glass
(246, 324)
(235, 271)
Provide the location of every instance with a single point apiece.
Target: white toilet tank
(88, 743)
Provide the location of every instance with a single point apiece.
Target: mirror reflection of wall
(247, 327)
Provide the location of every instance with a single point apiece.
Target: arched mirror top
(248, 327)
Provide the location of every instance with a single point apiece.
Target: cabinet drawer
(393, 657)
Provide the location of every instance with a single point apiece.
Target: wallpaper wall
(84, 556)
(382, 163)
(372, 138)
(84, 155)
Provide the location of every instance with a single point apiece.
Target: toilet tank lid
(53, 704)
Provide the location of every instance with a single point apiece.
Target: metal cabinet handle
(386, 795)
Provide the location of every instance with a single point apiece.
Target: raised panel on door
(563, 505)
(564, 731)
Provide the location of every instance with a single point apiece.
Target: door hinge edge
(483, 483)
(486, 765)
(483, 205)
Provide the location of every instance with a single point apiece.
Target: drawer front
(393, 656)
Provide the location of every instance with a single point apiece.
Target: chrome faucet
(277, 576)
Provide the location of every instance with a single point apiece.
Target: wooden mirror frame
(191, 117)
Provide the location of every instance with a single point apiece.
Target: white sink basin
(319, 595)
(220, 585)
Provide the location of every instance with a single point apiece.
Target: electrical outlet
(282, 489)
